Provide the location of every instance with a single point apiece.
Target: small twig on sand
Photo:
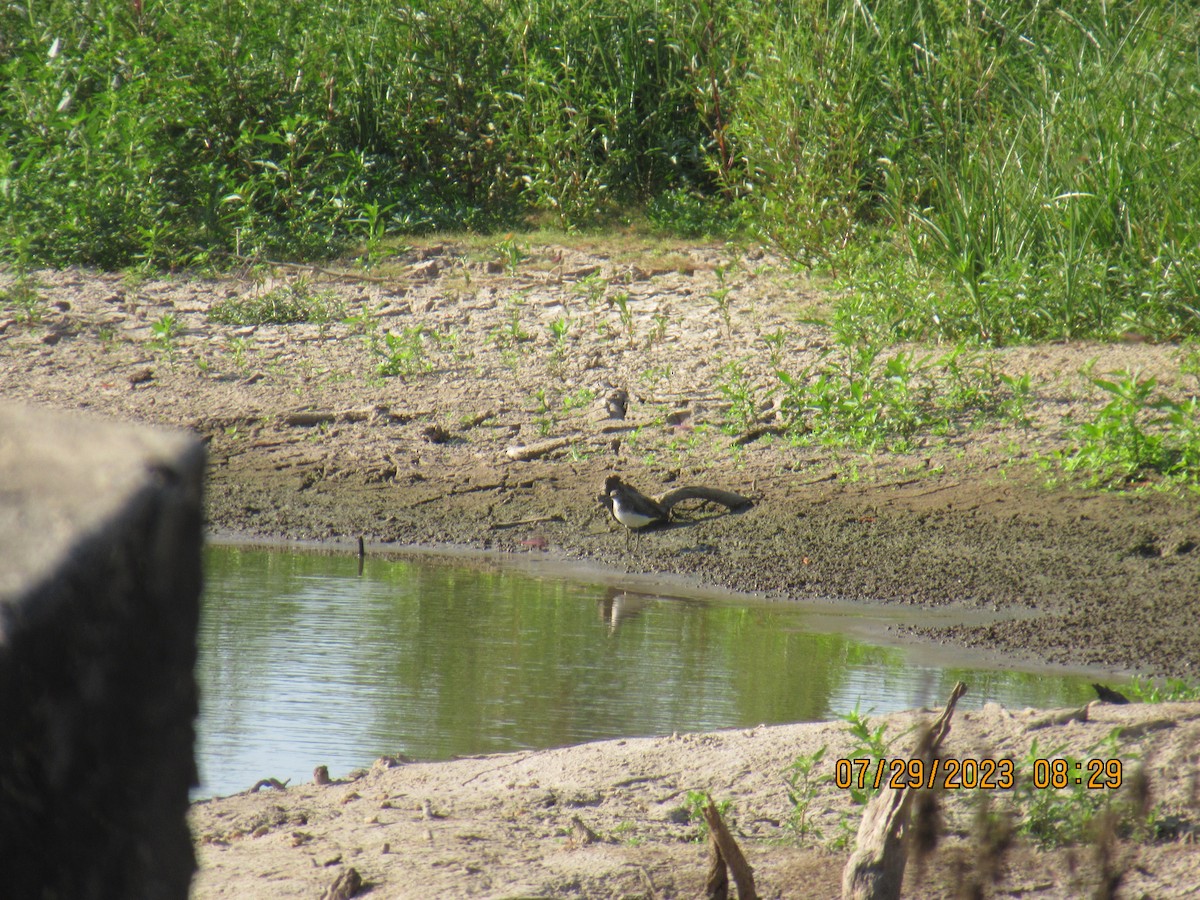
(749, 437)
(533, 451)
(483, 772)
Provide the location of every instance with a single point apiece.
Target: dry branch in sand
(875, 870)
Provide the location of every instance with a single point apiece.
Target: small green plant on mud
(720, 296)
(1139, 433)
(511, 333)
(659, 332)
(543, 411)
(1057, 795)
(133, 277)
(1170, 691)
(776, 343)
(511, 253)
(592, 288)
(802, 784)
(166, 329)
(695, 805)
(579, 399)
(24, 299)
(622, 301)
(364, 322)
(656, 374)
(287, 305)
(559, 329)
(373, 220)
(871, 745)
(736, 387)
(404, 353)
(238, 348)
(1015, 407)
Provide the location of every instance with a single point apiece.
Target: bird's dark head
(612, 483)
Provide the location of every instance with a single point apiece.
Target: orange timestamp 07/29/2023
(969, 773)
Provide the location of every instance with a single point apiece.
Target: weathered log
(875, 870)
(726, 498)
(1059, 718)
(731, 853)
(716, 885)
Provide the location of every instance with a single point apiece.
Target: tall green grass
(159, 132)
(1009, 171)
(1003, 172)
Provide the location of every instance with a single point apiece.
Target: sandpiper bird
(631, 507)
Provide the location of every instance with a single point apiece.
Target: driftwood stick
(875, 870)
(743, 875)
(1059, 718)
(716, 495)
(541, 448)
(716, 886)
(749, 437)
(269, 783)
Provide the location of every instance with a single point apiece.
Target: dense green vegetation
(1015, 172)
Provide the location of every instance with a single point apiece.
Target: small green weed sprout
(543, 411)
(720, 296)
(581, 398)
(511, 333)
(870, 745)
(511, 253)
(696, 803)
(592, 288)
(238, 347)
(622, 301)
(1170, 691)
(1137, 434)
(736, 387)
(1015, 407)
(287, 305)
(559, 329)
(404, 353)
(24, 299)
(802, 784)
(166, 329)
(373, 220)
(659, 332)
(776, 343)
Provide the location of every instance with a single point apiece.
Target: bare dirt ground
(307, 440)
(611, 819)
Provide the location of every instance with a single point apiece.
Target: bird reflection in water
(618, 606)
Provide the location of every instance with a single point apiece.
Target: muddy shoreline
(1098, 580)
(307, 441)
